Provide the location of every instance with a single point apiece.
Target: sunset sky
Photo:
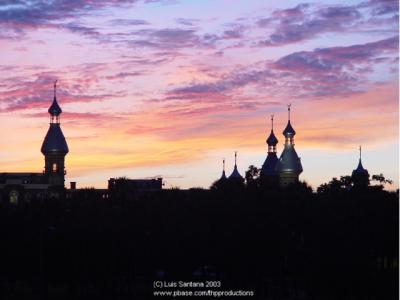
(171, 87)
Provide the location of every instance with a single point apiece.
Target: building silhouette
(27, 186)
(17, 187)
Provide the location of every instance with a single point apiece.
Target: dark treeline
(339, 243)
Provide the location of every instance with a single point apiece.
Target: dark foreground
(280, 245)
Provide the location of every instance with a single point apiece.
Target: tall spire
(55, 109)
(272, 140)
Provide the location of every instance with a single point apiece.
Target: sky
(169, 88)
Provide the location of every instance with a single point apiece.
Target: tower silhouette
(54, 147)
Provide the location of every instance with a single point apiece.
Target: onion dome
(289, 131)
(54, 142)
(272, 140)
(54, 109)
(235, 173)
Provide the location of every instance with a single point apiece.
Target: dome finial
(235, 157)
(272, 122)
(288, 108)
(55, 87)
(223, 165)
(360, 151)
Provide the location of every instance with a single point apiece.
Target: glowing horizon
(170, 88)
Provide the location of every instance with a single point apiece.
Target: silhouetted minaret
(269, 173)
(235, 176)
(289, 165)
(223, 176)
(54, 146)
(360, 175)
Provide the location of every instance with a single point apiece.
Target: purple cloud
(40, 12)
(335, 58)
(171, 38)
(307, 21)
(304, 22)
(128, 22)
(324, 71)
(22, 95)
(382, 7)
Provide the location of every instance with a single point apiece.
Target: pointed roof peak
(55, 109)
(235, 173)
(360, 168)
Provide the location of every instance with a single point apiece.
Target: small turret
(269, 174)
(360, 175)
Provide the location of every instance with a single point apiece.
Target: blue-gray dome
(54, 142)
(289, 131)
(55, 109)
(289, 162)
